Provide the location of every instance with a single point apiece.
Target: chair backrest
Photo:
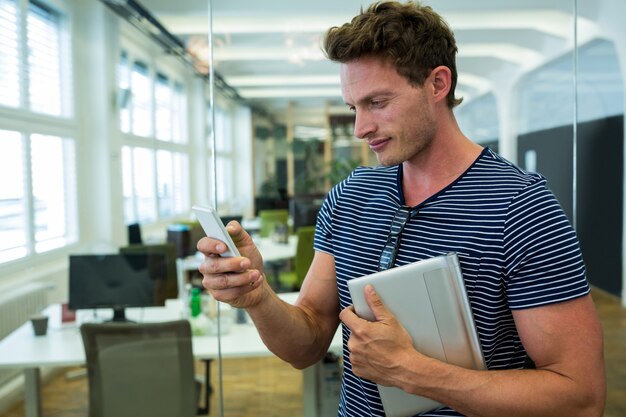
(304, 252)
(140, 369)
(167, 286)
(270, 218)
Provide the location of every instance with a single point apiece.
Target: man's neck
(436, 168)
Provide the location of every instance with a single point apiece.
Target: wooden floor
(267, 387)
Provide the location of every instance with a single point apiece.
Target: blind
(163, 100)
(12, 197)
(32, 69)
(124, 93)
(179, 109)
(44, 60)
(9, 54)
(141, 100)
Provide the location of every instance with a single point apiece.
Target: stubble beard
(419, 143)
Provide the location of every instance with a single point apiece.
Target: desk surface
(63, 346)
(270, 250)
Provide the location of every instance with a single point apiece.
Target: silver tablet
(429, 299)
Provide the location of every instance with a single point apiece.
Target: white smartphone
(214, 228)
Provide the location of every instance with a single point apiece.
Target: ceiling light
(288, 92)
(278, 80)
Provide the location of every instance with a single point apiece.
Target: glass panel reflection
(516, 78)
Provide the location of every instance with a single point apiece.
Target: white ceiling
(270, 50)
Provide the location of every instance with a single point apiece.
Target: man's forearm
(288, 331)
(514, 393)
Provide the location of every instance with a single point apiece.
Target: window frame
(28, 124)
(136, 49)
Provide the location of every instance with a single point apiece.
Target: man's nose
(364, 125)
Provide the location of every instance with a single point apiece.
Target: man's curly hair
(413, 37)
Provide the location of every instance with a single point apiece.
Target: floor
(253, 387)
(268, 387)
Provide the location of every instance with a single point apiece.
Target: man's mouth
(377, 145)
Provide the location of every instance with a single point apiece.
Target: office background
(105, 120)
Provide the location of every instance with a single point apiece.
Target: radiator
(16, 306)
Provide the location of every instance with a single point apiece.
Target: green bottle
(196, 302)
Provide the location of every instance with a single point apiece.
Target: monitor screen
(304, 209)
(134, 234)
(115, 281)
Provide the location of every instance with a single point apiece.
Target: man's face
(395, 118)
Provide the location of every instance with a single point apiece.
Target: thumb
(381, 313)
(238, 234)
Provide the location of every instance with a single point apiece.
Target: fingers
(239, 236)
(348, 316)
(231, 287)
(227, 278)
(223, 273)
(380, 312)
(376, 304)
(217, 265)
(237, 233)
(210, 246)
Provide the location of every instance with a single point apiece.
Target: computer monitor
(304, 209)
(134, 234)
(167, 287)
(230, 218)
(115, 281)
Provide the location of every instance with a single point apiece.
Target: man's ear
(441, 79)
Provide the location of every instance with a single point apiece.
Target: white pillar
(101, 216)
(504, 94)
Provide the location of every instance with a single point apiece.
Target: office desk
(62, 346)
(271, 251)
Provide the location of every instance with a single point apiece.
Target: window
(38, 203)
(155, 154)
(12, 197)
(224, 158)
(9, 54)
(53, 190)
(172, 178)
(34, 72)
(37, 206)
(139, 184)
(141, 91)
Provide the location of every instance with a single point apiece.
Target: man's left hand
(378, 349)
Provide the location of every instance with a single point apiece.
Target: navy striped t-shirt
(516, 247)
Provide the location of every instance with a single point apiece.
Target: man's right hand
(234, 280)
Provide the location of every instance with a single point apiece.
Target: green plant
(339, 169)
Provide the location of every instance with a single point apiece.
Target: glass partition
(518, 73)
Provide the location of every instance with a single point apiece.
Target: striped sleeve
(543, 263)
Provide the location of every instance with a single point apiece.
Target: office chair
(140, 369)
(292, 280)
(270, 218)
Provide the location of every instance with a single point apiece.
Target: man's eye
(352, 109)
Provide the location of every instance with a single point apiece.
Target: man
(519, 255)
